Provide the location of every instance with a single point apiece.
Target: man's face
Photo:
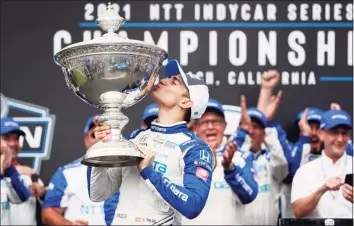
(256, 134)
(210, 128)
(13, 141)
(336, 140)
(316, 138)
(170, 92)
(89, 138)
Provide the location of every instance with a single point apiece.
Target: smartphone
(349, 179)
(34, 178)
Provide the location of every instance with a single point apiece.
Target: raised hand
(273, 105)
(335, 106)
(304, 125)
(270, 79)
(246, 121)
(6, 157)
(228, 155)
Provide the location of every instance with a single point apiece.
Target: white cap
(198, 91)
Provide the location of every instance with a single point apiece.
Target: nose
(11, 143)
(162, 81)
(340, 137)
(210, 125)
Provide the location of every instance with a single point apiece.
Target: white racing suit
(68, 189)
(271, 167)
(13, 190)
(228, 193)
(177, 183)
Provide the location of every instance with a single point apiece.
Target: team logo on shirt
(202, 173)
(121, 215)
(159, 167)
(221, 185)
(170, 144)
(158, 141)
(38, 126)
(144, 219)
(205, 156)
(143, 138)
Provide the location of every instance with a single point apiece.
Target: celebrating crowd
(190, 174)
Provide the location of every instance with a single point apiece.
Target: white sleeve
(306, 151)
(14, 193)
(278, 162)
(300, 187)
(103, 182)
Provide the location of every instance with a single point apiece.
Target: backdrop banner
(227, 43)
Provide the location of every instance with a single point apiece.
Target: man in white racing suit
(175, 174)
(233, 183)
(13, 189)
(266, 143)
(67, 202)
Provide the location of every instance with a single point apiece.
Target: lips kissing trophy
(111, 73)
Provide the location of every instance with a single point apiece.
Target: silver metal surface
(111, 73)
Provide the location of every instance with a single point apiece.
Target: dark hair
(187, 116)
(258, 122)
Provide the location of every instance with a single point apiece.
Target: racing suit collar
(221, 149)
(259, 153)
(180, 127)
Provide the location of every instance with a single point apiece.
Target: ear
(225, 125)
(186, 103)
(321, 134)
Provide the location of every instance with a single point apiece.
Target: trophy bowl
(111, 73)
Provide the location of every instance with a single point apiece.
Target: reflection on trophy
(111, 73)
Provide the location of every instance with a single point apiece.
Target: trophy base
(112, 153)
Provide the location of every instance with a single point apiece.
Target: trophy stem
(117, 151)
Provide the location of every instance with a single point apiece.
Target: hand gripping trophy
(111, 73)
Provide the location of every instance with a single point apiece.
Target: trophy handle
(118, 151)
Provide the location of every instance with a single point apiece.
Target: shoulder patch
(194, 141)
(73, 164)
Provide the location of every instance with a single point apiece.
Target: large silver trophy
(111, 73)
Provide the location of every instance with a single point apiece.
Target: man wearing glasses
(233, 182)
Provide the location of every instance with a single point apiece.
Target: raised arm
(241, 137)
(240, 175)
(276, 142)
(268, 82)
(18, 191)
